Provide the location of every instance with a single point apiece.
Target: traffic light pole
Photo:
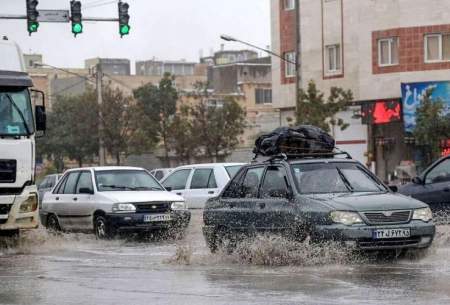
(99, 19)
(101, 144)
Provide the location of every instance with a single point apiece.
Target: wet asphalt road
(78, 269)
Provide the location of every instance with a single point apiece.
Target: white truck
(20, 120)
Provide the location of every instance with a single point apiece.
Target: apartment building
(386, 52)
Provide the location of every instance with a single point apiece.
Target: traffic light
(124, 19)
(76, 17)
(32, 16)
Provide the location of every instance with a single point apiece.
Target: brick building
(386, 52)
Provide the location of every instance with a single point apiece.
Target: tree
(158, 104)
(118, 119)
(72, 129)
(216, 128)
(182, 137)
(312, 109)
(431, 127)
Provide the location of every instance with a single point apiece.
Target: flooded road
(78, 269)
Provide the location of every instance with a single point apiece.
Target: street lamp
(233, 39)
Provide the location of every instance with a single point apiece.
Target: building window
(213, 103)
(289, 5)
(437, 47)
(388, 51)
(263, 96)
(333, 59)
(290, 64)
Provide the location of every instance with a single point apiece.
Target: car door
(67, 198)
(83, 204)
(436, 188)
(177, 181)
(274, 210)
(241, 197)
(203, 185)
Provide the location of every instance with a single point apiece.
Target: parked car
(47, 185)
(432, 186)
(198, 182)
(109, 200)
(324, 198)
(160, 173)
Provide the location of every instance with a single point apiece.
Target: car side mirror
(168, 188)
(393, 188)
(41, 119)
(86, 191)
(417, 180)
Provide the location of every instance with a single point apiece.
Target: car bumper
(14, 220)
(132, 222)
(361, 237)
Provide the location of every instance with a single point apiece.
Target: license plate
(157, 218)
(391, 233)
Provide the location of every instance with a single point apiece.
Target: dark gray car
(325, 199)
(47, 185)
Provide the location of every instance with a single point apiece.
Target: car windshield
(126, 180)
(232, 170)
(16, 115)
(325, 178)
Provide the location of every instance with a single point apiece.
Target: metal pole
(101, 146)
(297, 53)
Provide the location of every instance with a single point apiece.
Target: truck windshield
(16, 115)
(325, 178)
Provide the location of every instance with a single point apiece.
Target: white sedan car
(107, 200)
(199, 182)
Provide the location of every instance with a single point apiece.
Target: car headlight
(424, 214)
(124, 208)
(29, 205)
(178, 205)
(346, 218)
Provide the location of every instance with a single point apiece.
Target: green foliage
(72, 129)
(213, 131)
(312, 109)
(182, 135)
(431, 127)
(157, 105)
(118, 121)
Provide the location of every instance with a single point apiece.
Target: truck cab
(20, 120)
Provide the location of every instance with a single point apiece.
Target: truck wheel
(102, 229)
(53, 224)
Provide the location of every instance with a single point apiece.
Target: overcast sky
(170, 30)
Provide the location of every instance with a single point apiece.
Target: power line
(98, 4)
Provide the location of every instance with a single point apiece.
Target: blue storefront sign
(412, 95)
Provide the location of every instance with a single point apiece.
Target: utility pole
(101, 144)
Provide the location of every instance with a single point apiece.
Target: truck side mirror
(41, 118)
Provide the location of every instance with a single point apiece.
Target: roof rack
(290, 156)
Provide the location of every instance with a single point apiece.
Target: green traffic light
(77, 28)
(124, 29)
(33, 27)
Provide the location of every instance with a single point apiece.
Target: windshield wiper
(147, 188)
(25, 124)
(346, 182)
(119, 187)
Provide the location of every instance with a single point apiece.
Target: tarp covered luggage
(303, 139)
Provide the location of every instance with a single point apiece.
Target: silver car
(47, 184)
(108, 200)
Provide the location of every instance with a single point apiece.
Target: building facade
(159, 68)
(112, 66)
(383, 51)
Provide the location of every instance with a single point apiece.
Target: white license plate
(157, 218)
(391, 233)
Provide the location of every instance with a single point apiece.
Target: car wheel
(53, 224)
(102, 229)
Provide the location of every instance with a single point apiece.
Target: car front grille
(8, 171)
(388, 243)
(391, 217)
(152, 207)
